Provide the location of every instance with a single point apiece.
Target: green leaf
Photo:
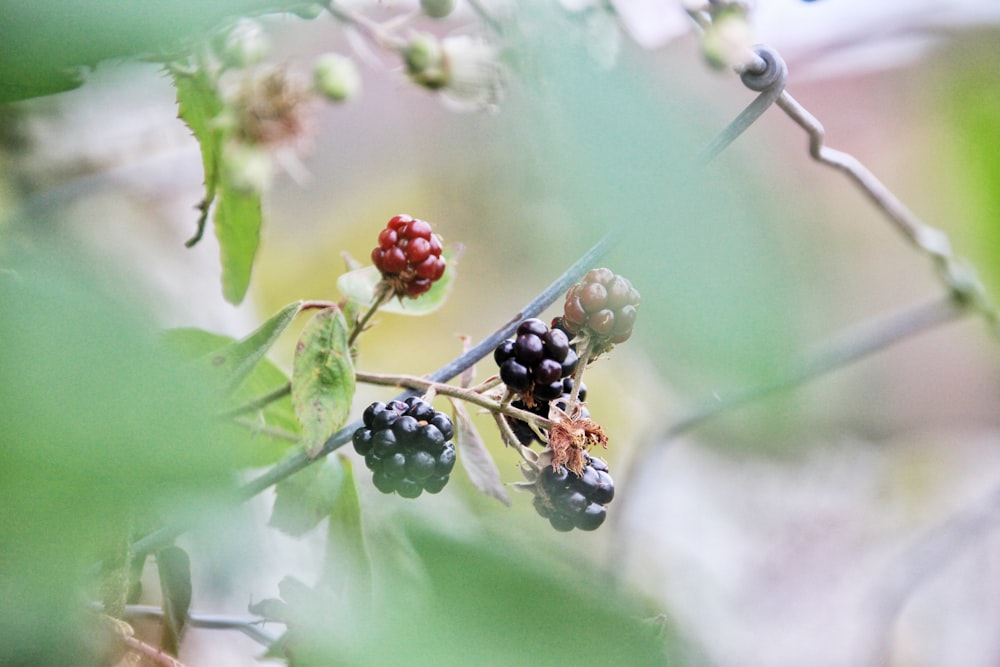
(273, 427)
(359, 285)
(190, 343)
(306, 498)
(236, 361)
(174, 568)
(322, 378)
(485, 601)
(100, 430)
(198, 105)
(348, 567)
(237, 226)
(44, 44)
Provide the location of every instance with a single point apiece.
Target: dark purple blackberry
(536, 361)
(407, 447)
(525, 434)
(569, 501)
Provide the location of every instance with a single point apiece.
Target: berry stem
(581, 366)
(374, 32)
(468, 395)
(383, 294)
(510, 439)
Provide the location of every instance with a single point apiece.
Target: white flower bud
(728, 42)
(336, 77)
(474, 74)
(244, 44)
(246, 166)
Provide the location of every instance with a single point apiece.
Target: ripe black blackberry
(569, 501)
(406, 445)
(525, 434)
(536, 361)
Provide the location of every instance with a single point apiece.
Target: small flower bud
(336, 77)
(425, 61)
(246, 167)
(474, 75)
(437, 9)
(307, 10)
(244, 44)
(728, 41)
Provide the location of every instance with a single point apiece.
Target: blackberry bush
(406, 445)
(571, 501)
(535, 362)
(603, 306)
(409, 256)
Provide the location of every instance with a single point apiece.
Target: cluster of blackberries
(569, 501)
(603, 304)
(536, 361)
(406, 445)
(525, 434)
(408, 255)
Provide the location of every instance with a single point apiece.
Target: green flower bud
(425, 61)
(437, 9)
(336, 77)
(246, 167)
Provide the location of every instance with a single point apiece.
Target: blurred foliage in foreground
(100, 432)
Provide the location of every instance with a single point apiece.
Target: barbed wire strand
(300, 459)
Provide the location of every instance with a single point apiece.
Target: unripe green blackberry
(534, 363)
(569, 501)
(408, 255)
(406, 445)
(603, 305)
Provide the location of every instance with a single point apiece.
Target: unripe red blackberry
(569, 501)
(534, 363)
(603, 305)
(406, 445)
(408, 255)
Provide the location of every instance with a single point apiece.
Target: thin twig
(837, 352)
(150, 652)
(382, 294)
(468, 395)
(247, 626)
(287, 467)
(370, 29)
